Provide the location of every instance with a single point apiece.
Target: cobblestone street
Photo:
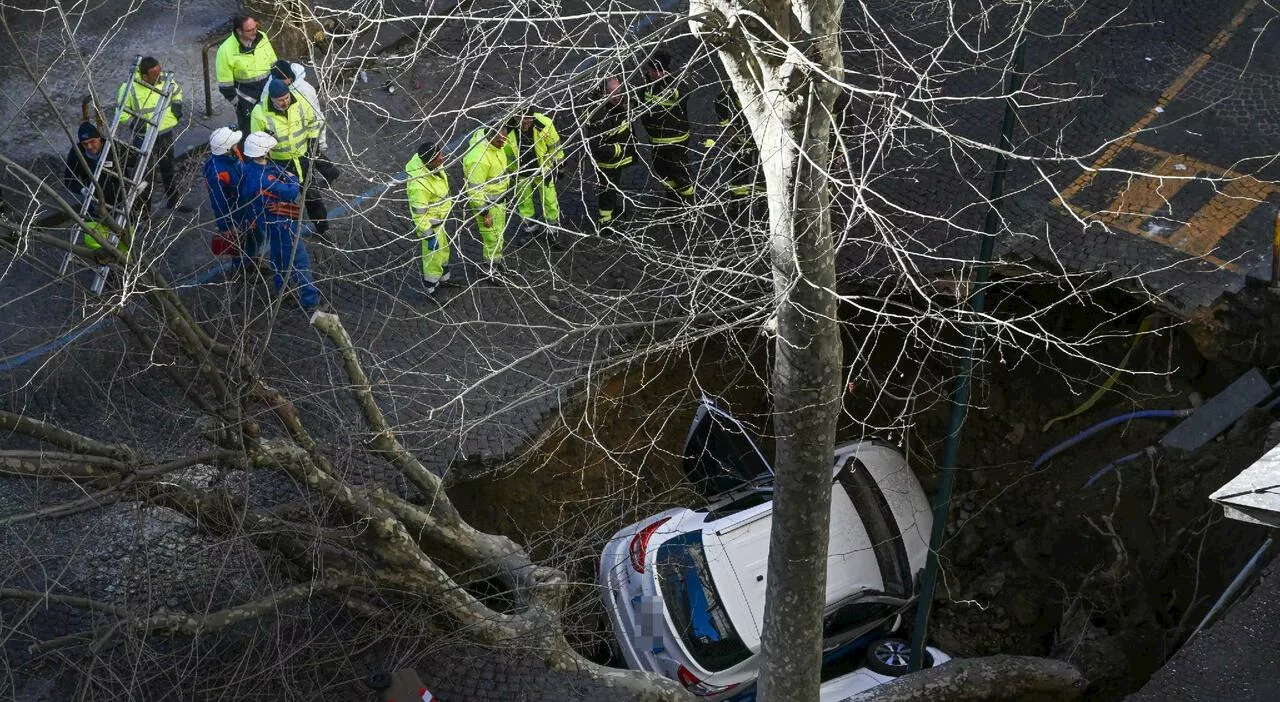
(1160, 176)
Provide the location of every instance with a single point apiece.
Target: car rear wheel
(892, 656)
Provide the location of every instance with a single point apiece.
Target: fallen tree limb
(989, 679)
(71, 441)
(117, 491)
(58, 466)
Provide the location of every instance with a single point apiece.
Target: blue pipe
(1139, 414)
(1111, 466)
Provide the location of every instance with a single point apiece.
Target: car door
(719, 453)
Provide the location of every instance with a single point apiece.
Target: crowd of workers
(276, 155)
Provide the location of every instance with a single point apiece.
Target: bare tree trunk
(788, 104)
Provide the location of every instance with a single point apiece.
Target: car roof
(737, 551)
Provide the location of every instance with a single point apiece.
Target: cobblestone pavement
(1183, 95)
(470, 376)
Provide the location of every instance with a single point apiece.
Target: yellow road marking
(1232, 202)
(1147, 193)
(1193, 165)
(1165, 98)
(1234, 198)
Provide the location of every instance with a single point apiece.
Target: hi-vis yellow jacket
(486, 169)
(429, 201)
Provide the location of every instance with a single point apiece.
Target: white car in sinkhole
(684, 589)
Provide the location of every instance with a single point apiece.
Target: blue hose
(1139, 414)
(1111, 466)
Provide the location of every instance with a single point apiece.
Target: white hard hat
(222, 139)
(258, 144)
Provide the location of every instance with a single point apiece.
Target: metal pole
(960, 397)
(1235, 585)
(208, 87)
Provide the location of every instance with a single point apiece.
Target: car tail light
(640, 542)
(696, 686)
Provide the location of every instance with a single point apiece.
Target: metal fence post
(960, 397)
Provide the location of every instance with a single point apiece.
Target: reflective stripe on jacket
(546, 145)
(270, 193)
(303, 90)
(428, 190)
(242, 72)
(729, 110)
(609, 134)
(292, 130)
(142, 101)
(665, 116)
(485, 168)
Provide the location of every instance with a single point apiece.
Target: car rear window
(877, 517)
(694, 605)
(755, 498)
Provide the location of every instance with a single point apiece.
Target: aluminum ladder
(133, 172)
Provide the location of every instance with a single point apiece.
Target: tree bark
(776, 68)
(805, 380)
(990, 679)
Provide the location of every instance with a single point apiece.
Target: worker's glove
(433, 241)
(176, 108)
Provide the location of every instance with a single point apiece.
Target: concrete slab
(1219, 412)
(1254, 494)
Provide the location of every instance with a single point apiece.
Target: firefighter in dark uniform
(743, 177)
(612, 147)
(665, 116)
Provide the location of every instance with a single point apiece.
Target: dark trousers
(317, 212)
(243, 110)
(161, 162)
(671, 164)
(610, 201)
(162, 158)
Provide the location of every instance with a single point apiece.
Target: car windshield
(694, 605)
